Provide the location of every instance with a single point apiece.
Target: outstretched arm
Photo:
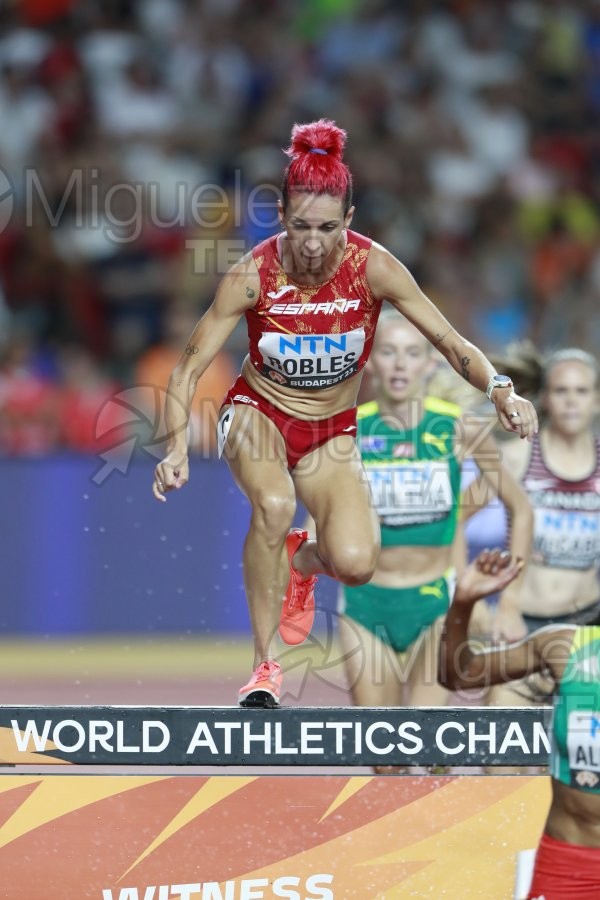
(237, 292)
(481, 446)
(390, 280)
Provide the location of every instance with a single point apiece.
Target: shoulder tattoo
(250, 294)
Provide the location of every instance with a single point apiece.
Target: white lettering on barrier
(30, 733)
(352, 739)
(357, 737)
(307, 738)
(202, 738)
(263, 737)
(99, 733)
(513, 737)
(540, 738)
(316, 887)
(339, 728)
(369, 738)
(58, 741)
(415, 744)
(279, 748)
(439, 737)
(227, 728)
(486, 737)
(147, 727)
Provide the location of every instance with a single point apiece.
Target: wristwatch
(497, 381)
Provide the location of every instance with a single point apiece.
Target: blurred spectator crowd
(140, 155)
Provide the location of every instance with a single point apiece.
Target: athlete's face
(314, 224)
(570, 397)
(400, 361)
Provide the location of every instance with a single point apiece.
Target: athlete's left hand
(516, 414)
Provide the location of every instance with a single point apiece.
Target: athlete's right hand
(171, 474)
(489, 572)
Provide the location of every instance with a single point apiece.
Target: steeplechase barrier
(68, 833)
(228, 736)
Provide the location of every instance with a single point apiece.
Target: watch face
(502, 381)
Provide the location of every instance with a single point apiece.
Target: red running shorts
(565, 871)
(301, 436)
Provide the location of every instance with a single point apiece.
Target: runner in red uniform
(311, 296)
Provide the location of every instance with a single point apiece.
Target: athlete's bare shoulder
(240, 286)
(244, 268)
(388, 278)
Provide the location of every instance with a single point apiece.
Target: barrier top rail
(288, 736)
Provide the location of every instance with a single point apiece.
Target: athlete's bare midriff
(574, 816)
(548, 592)
(410, 566)
(303, 404)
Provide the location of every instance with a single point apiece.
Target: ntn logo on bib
(311, 360)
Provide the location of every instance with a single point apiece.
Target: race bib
(411, 493)
(310, 360)
(583, 743)
(568, 539)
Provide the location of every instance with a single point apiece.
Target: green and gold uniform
(575, 756)
(415, 481)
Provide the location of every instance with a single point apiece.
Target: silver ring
(514, 415)
(160, 483)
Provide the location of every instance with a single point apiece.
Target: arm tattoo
(440, 337)
(250, 294)
(191, 350)
(465, 368)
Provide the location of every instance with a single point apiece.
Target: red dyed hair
(317, 165)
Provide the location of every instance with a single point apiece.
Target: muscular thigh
(374, 671)
(332, 484)
(255, 452)
(423, 683)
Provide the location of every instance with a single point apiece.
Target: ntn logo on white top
(282, 346)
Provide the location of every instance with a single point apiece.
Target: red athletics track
(116, 837)
(146, 672)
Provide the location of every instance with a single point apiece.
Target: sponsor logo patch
(311, 360)
(327, 308)
(275, 295)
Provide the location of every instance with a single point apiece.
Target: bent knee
(354, 565)
(273, 513)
